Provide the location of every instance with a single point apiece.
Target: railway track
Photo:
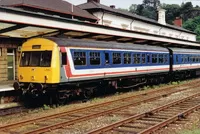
(51, 122)
(12, 110)
(155, 119)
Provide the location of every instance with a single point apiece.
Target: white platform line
(6, 89)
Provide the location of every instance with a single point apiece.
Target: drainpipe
(131, 24)
(102, 16)
(160, 30)
(72, 7)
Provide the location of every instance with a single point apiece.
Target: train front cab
(39, 65)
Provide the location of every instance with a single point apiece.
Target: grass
(195, 131)
(46, 107)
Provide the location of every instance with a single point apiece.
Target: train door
(11, 64)
(63, 68)
(171, 61)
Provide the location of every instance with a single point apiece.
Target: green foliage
(133, 8)
(95, 99)
(195, 131)
(146, 87)
(172, 11)
(147, 9)
(149, 12)
(193, 25)
(174, 83)
(46, 107)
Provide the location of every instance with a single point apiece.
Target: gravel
(92, 124)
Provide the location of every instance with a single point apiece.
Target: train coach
(63, 67)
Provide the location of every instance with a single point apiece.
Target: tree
(193, 25)
(172, 11)
(186, 9)
(147, 9)
(133, 8)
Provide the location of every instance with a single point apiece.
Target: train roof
(183, 50)
(103, 44)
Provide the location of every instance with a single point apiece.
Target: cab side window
(64, 58)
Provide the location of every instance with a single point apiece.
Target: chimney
(161, 16)
(178, 22)
(97, 1)
(112, 6)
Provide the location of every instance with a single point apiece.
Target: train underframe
(60, 93)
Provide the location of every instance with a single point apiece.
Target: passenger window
(182, 59)
(143, 58)
(127, 58)
(107, 60)
(148, 59)
(64, 58)
(176, 58)
(185, 59)
(193, 58)
(154, 58)
(79, 58)
(161, 58)
(136, 58)
(116, 58)
(165, 58)
(196, 58)
(94, 58)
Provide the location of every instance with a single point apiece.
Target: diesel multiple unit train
(66, 67)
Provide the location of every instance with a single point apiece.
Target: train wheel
(87, 93)
(61, 98)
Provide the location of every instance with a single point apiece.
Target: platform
(6, 86)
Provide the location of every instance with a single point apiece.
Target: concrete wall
(140, 26)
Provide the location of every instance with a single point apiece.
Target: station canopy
(24, 19)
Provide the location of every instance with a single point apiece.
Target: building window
(79, 58)
(94, 58)
(116, 58)
(127, 58)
